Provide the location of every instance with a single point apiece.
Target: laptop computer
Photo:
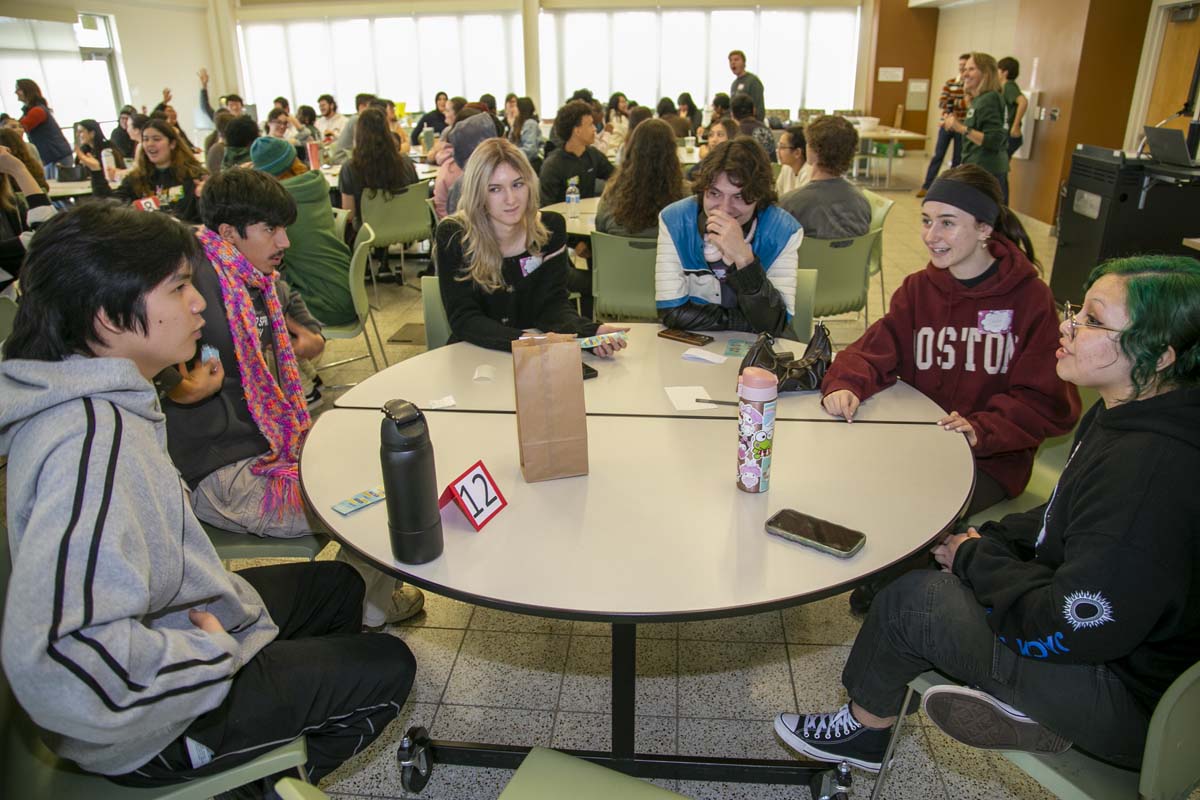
(1168, 146)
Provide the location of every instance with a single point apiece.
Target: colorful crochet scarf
(280, 412)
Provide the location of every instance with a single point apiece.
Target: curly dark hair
(569, 116)
(649, 178)
(741, 105)
(834, 141)
(376, 162)
(745, 164)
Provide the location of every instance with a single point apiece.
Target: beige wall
(986, 27)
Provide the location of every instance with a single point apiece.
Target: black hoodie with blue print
(1108, 571)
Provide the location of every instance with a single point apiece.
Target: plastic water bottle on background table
(573, 198)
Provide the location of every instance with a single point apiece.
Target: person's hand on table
(91, 162)
(944, 552)
(198, 383)
(958, 423)
(726, 234)
(609, 349)
(842, 403)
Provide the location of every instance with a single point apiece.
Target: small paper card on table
(688, 398)
(699, 354)
(476, 493)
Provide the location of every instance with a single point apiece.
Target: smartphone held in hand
(828, 537)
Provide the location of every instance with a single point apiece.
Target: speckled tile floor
(703, 688)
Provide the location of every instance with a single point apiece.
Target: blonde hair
(990, 80)
(481, 248)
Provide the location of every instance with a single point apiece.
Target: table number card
(476, 493)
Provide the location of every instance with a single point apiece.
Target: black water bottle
(409, 480)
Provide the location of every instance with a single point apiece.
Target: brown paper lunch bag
(551, 418)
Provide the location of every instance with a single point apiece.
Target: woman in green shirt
(985, 136)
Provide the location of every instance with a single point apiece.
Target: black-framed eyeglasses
(1070, 314)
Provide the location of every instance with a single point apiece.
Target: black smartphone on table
(819, 534)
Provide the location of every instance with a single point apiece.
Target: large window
(405, 59)
(806, 58)
(74, 66)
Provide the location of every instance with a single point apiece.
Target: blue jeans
(944, 139)
(931, 620)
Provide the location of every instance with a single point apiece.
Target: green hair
(1162, 296)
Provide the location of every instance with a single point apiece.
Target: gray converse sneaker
(406, 602)
(977, 719)
(836, 736)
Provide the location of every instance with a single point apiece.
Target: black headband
(964, 196)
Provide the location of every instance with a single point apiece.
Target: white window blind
(406, 59)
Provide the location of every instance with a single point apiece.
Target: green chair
(437, 325)
(340, 217)
(880, 207)
(362, 306)
(549, 775)
(8, 314)
(292, 789)
(1170, 762)
(806, 292)
(623, 277)
(1048, 465)
(231, 544)
(401, 217)
(30, 771)
(843, 266)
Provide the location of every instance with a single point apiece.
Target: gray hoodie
(107, 560)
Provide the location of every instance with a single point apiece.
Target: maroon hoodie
(986, 352)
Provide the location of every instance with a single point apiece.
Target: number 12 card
(476, 493)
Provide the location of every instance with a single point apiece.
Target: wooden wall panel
(903, 37)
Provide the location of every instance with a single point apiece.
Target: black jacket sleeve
(463, 300)
(760, 307)
(205, 106)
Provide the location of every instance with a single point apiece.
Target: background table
(331, 173)
(629, 383)
(60, 190)
(585, 223)
(892, 136)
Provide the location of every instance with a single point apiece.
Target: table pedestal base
(623, 757)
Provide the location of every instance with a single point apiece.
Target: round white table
(630, 383)
(331, 172)
(657, 531)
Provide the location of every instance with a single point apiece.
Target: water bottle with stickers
(758, 391)
(573, 198)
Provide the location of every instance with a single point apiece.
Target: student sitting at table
(165, 174)
(1082, 611)
(669, 114)
(139, 656)
(449, 172)
(435, 119)
(316, 263)
(240, 133)
(90, 140)
(468, 135)
(236, 438)
(829, 206)
(742, 108)
(974, 330)
(723, 130)
(616, 120)
(214, 143)
(648, 180)
(340, 152)
(526, 132)
(375, 164)
(502, 264)
(120, 135)
(17, 223)
(720, 111)
(727, 254)
(688, 111)
(794, 170)
(329, 123)
(576, 158)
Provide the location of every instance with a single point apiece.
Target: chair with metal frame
(880, 208)
(843, 266)
(362, 307)
(437, 325)
(400, 217)
(30, 771)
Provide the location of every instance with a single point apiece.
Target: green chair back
(550, 775)
(806, 295)
(8, 314)
(1171, 760)
(623, 276)
(880, 208)
(366, 240)
(292, 789)
(399, 218)
(30, 771)
(842, 266)
(437, 324)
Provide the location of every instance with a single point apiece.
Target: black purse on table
(795, 375)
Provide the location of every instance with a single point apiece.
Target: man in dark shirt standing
(747, 82)
(576, 158)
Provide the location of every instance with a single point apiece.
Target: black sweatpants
(322, 678)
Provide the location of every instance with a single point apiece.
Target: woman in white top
(616, 121)
(794, 171)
